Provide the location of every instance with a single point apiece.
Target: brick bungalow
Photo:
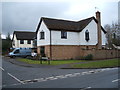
(64, 39)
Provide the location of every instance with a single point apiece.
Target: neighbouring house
(64, 39)
(23, 39)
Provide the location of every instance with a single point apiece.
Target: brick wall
(102, 54)
(61, 52)
(65, 52)
(88, 47)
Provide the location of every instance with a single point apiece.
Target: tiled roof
(58, 24)
(23, 35)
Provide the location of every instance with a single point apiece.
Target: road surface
(15, 76)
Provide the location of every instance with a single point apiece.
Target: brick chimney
(99, 45)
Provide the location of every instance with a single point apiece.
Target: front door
(42, 51)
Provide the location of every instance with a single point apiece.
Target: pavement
(14, 61)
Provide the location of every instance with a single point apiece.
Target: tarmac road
(16, 76)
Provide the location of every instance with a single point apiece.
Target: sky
(25, 15)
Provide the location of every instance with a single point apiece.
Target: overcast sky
(24, 16)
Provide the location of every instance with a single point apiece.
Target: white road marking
(98, 71)
(42, 80)
(116, 80)
(2, 69)
(83, 73)
(50, 78)
(10, 85)
(68, 75)
(91, 71)
(89, 87)
(59, 76)
(86, 88)
(77, 73)
(12, 76)
(73, 75)
(15, 78)
(39, 79)
(63, 77)
(53, 78)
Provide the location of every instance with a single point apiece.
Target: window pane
(42, 36)
(64, 34)
(29, 42)
(87, 35)
(17, 51)
(21, 41)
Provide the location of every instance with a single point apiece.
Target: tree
(9, 40)
(8, 36)
(107, 27)
(113, 34)
(6, 44)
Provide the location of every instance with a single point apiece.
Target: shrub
(88, 57)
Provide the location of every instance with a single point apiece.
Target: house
(23, 39)
(64, 39)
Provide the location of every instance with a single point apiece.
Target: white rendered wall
(16, 43)
(46, 41)
(77, 38)
(25, 45)
(92, 28)
(72, 38)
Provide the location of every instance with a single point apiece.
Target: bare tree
(107, 27)
(113, 34)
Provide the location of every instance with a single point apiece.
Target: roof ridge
(68, 20)
(87, 18)
(59, 19)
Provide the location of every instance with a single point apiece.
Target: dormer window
(42, 35)
(63, 34)
(87, 35)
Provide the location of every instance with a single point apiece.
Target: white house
(23, 39)
(63, 39)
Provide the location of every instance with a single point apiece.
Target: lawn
(99, 64)
(53, 62)
(87, 64)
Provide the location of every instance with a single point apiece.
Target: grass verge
(54, 62)
(99, 64)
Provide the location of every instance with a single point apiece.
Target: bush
(88, 57)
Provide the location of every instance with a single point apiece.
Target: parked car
(20, 52)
